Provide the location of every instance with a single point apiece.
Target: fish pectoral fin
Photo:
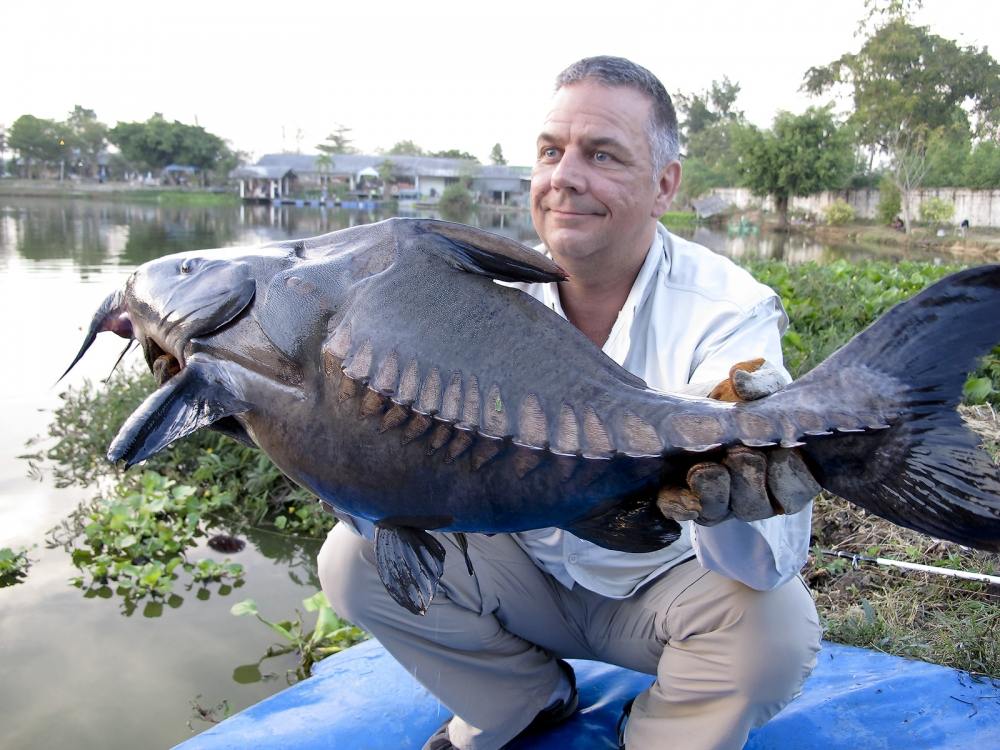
(194, 398)
(633, 525)
(488, 254)
(410, 563)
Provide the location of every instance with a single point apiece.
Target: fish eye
(188, 265)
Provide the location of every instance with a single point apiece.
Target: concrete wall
(980, 207)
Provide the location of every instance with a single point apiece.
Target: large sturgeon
(383, 369)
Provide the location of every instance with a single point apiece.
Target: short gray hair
(617, 71)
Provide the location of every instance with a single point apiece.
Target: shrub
(890, 203)
(456, 201)
(936, 210)
(839, 212)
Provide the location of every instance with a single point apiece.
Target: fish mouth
(162, 363)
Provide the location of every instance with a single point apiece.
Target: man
(720, 617)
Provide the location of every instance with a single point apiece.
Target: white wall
(980, 207)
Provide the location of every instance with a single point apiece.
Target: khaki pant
(726, 657)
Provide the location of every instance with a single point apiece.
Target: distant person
(964, 227)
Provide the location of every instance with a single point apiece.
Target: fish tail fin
(927, 470)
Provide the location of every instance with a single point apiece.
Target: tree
(37, 141)
(496, 155)
(385, 169)
(709, 125)
(406, 148)
(800, 155)
(700, 112)
(454, 153)
(338, 142)
(155, 143)
(908, 86)
(88, 138)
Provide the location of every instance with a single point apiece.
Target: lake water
(79, 672)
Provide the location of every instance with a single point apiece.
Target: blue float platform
(362, 699)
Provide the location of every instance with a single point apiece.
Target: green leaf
(281, 522)
(315, 602)
(245, 607)
(977, 390)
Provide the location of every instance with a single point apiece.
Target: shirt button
(573, 558)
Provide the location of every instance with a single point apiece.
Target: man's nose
(569, 173)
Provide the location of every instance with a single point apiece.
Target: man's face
(593, 192)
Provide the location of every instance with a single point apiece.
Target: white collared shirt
(690, 316)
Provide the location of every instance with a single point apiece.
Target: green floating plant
(329, 636)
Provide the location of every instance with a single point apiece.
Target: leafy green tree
(709, 124)
(454, 153)
(982, 169)
(699, 112)
(907, 85)
(800, 155)
(38, 142)
(157, 142)
(889, 200)
(385, 169)
(338, 142)
(947, 158)
(88, 138)
(406, 148)
(496, 155)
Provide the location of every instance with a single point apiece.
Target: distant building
(422, 178)
(265, 183)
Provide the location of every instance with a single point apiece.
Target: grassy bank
(115, 191)
(207, 483)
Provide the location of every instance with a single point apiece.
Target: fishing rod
(949, 572)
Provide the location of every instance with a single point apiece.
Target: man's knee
(346, 574)
(780, 636)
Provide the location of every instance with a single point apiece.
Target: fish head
(175, 299)
(169, 302)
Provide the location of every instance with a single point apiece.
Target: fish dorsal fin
(488, 254)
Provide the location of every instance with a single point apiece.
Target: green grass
(679, 220)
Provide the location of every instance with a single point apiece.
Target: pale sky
(457, 74)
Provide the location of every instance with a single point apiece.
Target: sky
(280, 76)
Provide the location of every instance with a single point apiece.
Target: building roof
(257, 171)
(402, 166)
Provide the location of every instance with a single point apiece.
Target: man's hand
(747, 484)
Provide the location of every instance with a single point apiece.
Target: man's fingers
(711, 483)
(678, 503)
(791, 483)
(748, 474)
(751, 385)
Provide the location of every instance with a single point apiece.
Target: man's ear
(668, 184)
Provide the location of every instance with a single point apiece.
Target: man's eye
(550, 152)
(602, 156)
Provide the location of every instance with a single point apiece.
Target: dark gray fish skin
(383, 369)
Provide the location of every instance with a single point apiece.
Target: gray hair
(617, 71)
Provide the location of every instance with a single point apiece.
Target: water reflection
(93, 233)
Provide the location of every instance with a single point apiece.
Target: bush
(936, 210)
(839, 212)
(456, 202)
(890, 202)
